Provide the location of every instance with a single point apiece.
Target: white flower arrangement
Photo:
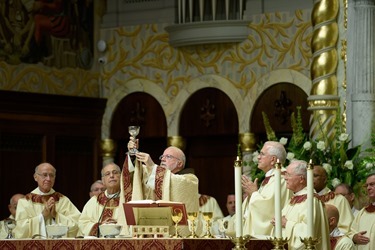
(307, 145)
(321, 145)
(335, 182)
(290, 156)
(327, 167)
(349, 165)
(283, 140)
(343, 137)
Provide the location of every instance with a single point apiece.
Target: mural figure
(54, 32)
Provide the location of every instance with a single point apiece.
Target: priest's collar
(270, 172)
(325, 190)
(111, 195)
(38, 191)
(302, 191)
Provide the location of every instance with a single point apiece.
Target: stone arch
(173, 109)
(266, 81)
(205, 81)
(132, 86)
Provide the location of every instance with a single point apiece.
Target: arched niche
(209, 122)
(139, 108)
(279, 101)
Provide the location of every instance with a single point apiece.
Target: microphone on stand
(101, 215)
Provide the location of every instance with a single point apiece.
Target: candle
(310, 197)
(238, 191)
(278, 233)
(238, 195)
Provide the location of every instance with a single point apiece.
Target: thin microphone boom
(101, 215)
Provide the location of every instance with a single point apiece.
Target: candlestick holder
(310, 243)
(278, 243)
(240, 242)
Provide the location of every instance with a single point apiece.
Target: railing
(206, 10)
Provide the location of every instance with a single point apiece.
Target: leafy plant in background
(342, 164)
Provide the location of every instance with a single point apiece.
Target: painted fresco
(56, 33)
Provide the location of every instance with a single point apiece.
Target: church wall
(277, 49)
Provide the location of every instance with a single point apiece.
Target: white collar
(336, 232)
(270, 172)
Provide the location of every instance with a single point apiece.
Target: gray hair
(300, 167)
(277, 149)
(113, 164)
(181, 153)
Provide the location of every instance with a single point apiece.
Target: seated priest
(209, 204)
(339, 241)
(169, 181)
(329, 197)
(105, 207)
(44, 206)
(294, 214)
(364, 222)
(4, 231)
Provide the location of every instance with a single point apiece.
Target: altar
(128, 244)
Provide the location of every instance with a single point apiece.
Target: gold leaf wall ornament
(275, 41)
(42, 79)
(324, 100)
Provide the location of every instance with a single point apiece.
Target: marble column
(361, 70)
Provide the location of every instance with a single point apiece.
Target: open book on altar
(153, 213)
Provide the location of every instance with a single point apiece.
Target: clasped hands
(140, 156)
(283, 221)
(248, 186)
(49, 210)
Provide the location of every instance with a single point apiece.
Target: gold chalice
(192, 216)
(176, 217)
(207, 216)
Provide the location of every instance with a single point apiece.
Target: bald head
(45, 175)
(173, 159)
(13, 203)
(332, 215)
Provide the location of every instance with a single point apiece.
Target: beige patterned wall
(37, 78)
(139, 58)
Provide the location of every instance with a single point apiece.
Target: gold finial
(310, 165)
(248, 142)
(239, 152)
(177, 141)
(108, 147)
(277, 164)
(238, 161)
